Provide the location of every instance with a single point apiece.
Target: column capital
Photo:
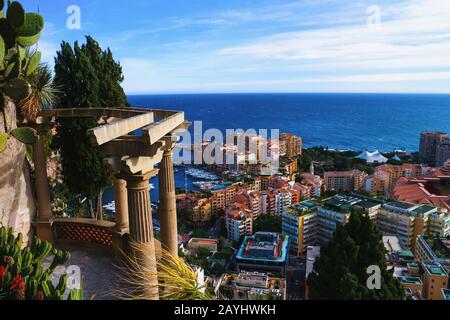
(169, 144)
(139, 177)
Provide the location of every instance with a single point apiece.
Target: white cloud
(416, 35)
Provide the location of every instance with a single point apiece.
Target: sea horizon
(339, 121)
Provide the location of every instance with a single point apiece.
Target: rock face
(17, 204)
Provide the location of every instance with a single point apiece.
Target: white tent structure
(372, 157)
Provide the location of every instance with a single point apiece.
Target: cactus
(3, 141)
(16, 89)
(2, 52)
(22, 275)
(25, 135)
(15, 15)
(30, 32)
(18, 31)
(33, 63)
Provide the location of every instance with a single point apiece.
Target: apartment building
(238, 222)
(435, 279)
(221, 197)
(333, 212)
(300, 224)
(345, 181)
(264, 252)
(442, 153)
(385, 176)
(199, 209)
(290, 145)
(433, 249)
(429, 142)
(251, 200)
(337, 210)
(283, 200)
(253, 286)
(405, 220)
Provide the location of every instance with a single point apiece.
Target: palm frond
(44, 93)
(176, 279)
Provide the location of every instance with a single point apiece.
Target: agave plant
(177, 280)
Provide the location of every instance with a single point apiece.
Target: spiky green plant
(177, 280)
(22, 275)
(43, 92)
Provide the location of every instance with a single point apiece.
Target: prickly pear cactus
(22, 274)
(19, 32)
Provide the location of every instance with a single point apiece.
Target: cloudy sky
(198, 46)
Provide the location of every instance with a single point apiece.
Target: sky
(216, 46)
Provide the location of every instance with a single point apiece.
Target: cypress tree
(89, 78)
(341, 271)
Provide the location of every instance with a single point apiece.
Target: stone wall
(17, 204)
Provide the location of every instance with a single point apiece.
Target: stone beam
(106, 133)
(132, 147)
(157, 130)
(122, 113)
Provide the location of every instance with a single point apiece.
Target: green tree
(268, 223)
(88, 78)
(341, 271)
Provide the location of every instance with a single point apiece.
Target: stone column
(167, 204)
(44, 221)
(121, 203)
(141, 228)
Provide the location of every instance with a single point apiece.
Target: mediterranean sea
(338, 121)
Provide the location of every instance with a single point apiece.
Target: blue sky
(203, 46)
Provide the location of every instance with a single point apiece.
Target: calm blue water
(341, 121)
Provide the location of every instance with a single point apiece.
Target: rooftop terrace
(401, 205)
(303, 208)
(264, 246)
(410, 280)
(435, 269)
(424, 209)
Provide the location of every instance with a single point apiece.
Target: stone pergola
(133, 141)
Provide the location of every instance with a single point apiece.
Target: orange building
(345, 181)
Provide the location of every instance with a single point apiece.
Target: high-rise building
(442, 153)
(300, 224)
(429, 141)
(290, 145)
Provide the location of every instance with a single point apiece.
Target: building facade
(429, 141)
